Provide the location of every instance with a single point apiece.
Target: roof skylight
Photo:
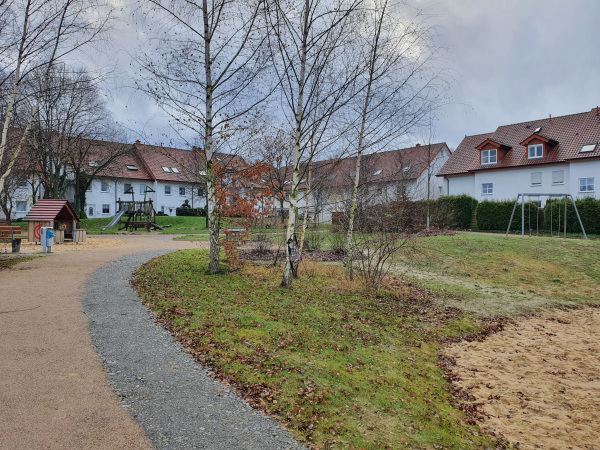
(175, 170)
(131, 166)
(538, 129)
(588, 148)
(93, 164)
(378, 172)
(166, 169)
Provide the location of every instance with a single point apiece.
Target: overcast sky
(508, 61)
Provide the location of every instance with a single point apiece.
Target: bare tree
(204, 70)
(48, 30)
(71, 134)
(307, 40)
(398, 88)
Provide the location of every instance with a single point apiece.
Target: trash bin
(16, 245)
(47, 238)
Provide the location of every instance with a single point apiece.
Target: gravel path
(166, 390)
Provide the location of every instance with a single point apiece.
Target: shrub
(190, 212)
(589, 211)
(313, 241)
(453, 211)
(338, 240)
(495, 215)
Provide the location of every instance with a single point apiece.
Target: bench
(13, 234)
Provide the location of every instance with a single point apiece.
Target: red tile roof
(565, 134)
(385, 167)
(48, 210)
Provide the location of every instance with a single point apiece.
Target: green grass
(491, 275)
(179, 225)
(10, 261)
(336, 366)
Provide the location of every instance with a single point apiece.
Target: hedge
(495, 215)
(189, 212)
(589, 211)
(453, 211)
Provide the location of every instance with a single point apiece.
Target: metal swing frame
(529, 195)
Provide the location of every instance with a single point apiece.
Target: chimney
(550, 118)
(137, 142)
(597, 111)
(418, 145)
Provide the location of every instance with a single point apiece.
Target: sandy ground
(539, 380)
(53, 389)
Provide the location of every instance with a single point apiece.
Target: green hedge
(189, 212)
(495, 215)
(589, 211)
(454, 211)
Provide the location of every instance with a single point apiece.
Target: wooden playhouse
(58, 214)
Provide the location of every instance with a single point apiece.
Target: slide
(114, 221)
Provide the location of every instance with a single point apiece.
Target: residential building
(407, 173)
(556, 155)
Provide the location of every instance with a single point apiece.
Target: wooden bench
(13, 234)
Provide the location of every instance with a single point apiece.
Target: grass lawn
(336, 366)
(7, 261)
(179, 225)
(494, 275)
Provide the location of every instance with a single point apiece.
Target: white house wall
(584, 169)
(508, 183)
(167, 203)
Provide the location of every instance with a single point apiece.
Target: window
(105, 209)
(587, 148)
(586, 185)
(558, 177)
(22, 184)
(103, 187)
(127, 189)
(487, 188)
(21, 206)
(489, 156)
(89, 188)
(175, 170)
(536, 178)
(201, 192)
(162, 209)
(166, 169)
(142, 188)
(536, 151)
(181, 190)
(131, 167)
(167, 190)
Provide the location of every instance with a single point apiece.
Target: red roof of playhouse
(565, 138)
(49, 210)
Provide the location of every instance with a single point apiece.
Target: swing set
(537, 196)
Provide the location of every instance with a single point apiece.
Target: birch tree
(400, 86)
(205, 71)
(307, 40)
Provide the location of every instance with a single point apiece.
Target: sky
(507, 61)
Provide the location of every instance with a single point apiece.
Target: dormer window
(535, 151)
(489, 156)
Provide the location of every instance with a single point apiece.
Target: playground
(536, 373)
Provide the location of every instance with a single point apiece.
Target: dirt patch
(537, 381)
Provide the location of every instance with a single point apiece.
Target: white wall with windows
(102, 196)
(580, 179)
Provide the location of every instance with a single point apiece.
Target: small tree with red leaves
(243, 196)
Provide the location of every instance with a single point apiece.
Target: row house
(556, 155)
(403, 174)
